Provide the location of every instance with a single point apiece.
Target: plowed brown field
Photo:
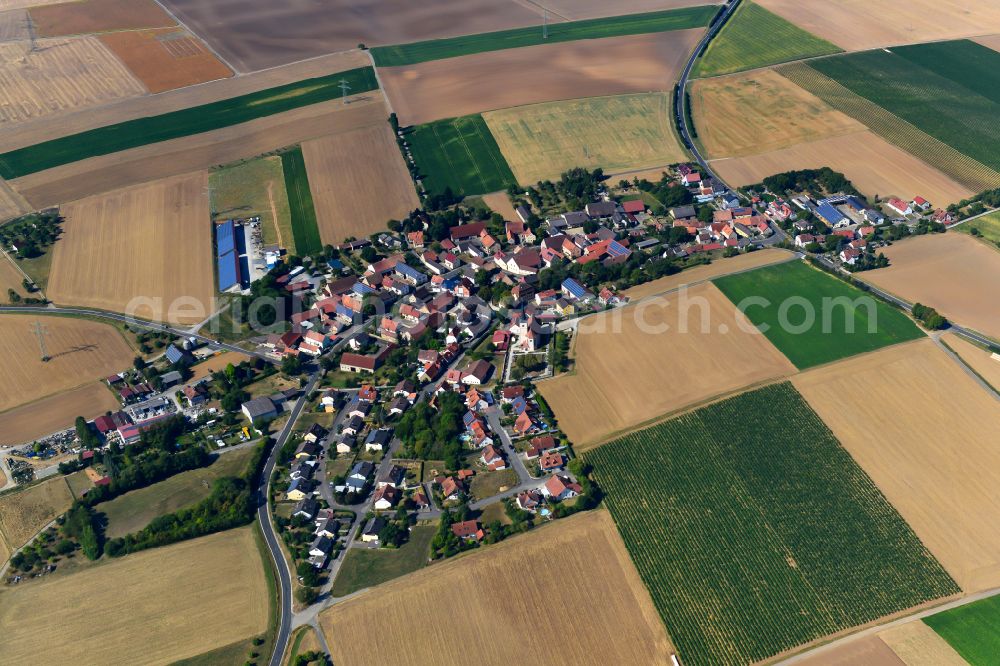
(578, 563)
(576, 10)
(358, 181)
(88, 16)
(638, 363)
(485, 81)
(926, 433)
(145, 250)
(871, 163)
(166, 59)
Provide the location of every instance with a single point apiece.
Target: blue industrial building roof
(574, 288)
(830, 214)
(616, 249)
(229, 270)
(224, 238)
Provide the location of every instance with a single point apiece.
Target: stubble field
(619, 133)
(978, 358)
(12, 204)
(871, 163)
(718, 268)
(10, 278)
(150, 244)
(62, 75)
(165, 59)
(925, 432)
(629, 370)
(42, 417)
(80, 351)
(88, 16)
(486, 81)
(182, 600)
(24, 512)
(578, 565)
(13, 25)
(359, 182)
(954, 273)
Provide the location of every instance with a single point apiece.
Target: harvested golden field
(45, 416)
(926, 433)
(145, 250)
(80, 351)
(706, 350)
(499, 202)
(954, 273)
(874, 166)
(166, 59)
(578, 565)
(12, 204)
(617, 133)
(756, 112)
(182, 600)
(870, 651)
(704, 272)
(62, 75)
(24, 512)
(576, 10)
(856, 25)
(10, 278)
(359, 182)
(200, 151)
(977, 358)
(485, 81)
(87, 16)
(14, 25)
(916, 644)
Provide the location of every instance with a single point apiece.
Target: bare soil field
(577, 10)
(954, 273)
(856, 25)
(499, 202)
(623, 356)
(151, 242)
(359, 182)
(486, 81)
(618, 133)
(182, 600)
(760, 111)
(573, 563)
(80, 351)
(871, 163)
(24, 512)
(870, 651)
(977, 358)
(916, 644)
(201, 151)
(14, 25)
(718, 268)
(166, 59)
(42, 417)
(216, 363)
(258, 34)
(89, 16)
(23, 4)
(926, 433)
(12, 204)
(62, 75)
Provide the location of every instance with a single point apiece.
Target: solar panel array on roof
(616, 249)
(225, 238)
(830, 214)
(574, 288)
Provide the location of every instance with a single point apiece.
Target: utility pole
(545, 23)
(344, 87)
(40, 331)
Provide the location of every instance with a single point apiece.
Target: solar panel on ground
(224, 239)
(229, 272)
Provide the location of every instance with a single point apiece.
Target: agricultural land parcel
(626, 353)
(756, 532)
(305, 228)
(12, 204)
(979, 359)
(911, 643)
(739, 45)
(636, 24)
(10, 277)
(254, 188)
(88, 16)
(80, 352)
(704, 272)
(183, 600)
(359, 182)
(620, 133)
(461, 154)
(988, 227)
(459, 86)
(856, 25)
(27, 510)
(365, 567)
(150, 246)
(825, 319)
(971, 630)
(925, 432)
(42, 417)
(577, 10)
(165, 59)
(954, 273)
(575, 562)
(143, 131)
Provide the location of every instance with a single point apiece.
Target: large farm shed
(228, 258)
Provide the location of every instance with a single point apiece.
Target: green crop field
(185, 122)
(364, 567)
(754, 37)
(616, 26)
(305, 229)
(971, 630)
(960, 116)
(814, 318)
(460, 154)
(755, 531)
(965, 62)
(987, 226)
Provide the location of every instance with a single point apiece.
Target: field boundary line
(204, 41)
(378, 79)
(969, 370)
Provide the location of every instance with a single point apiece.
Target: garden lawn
(812, 317)
(305, 228)
(460, 155)
(755, 531)
(365, 567)
(615, 26)
(754, 37)
(971, 630)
